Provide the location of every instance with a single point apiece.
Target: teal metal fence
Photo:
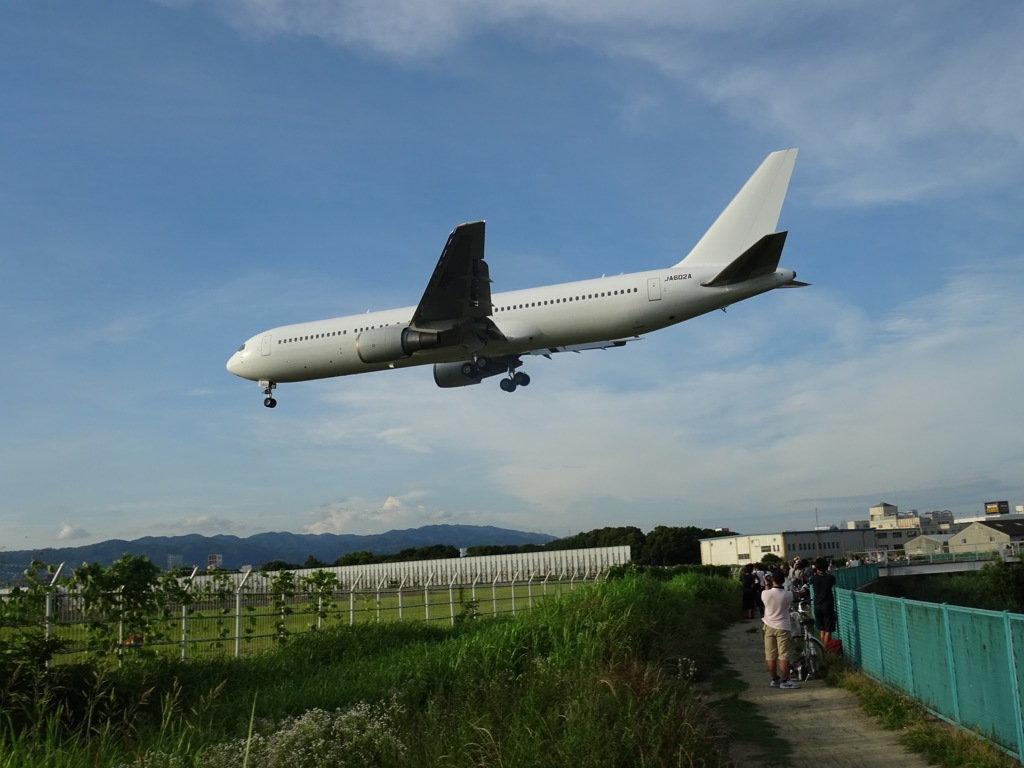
(963, 665)
(855, 578)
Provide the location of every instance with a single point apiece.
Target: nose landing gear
(268, 390)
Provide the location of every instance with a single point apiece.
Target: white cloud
(888, 409)
(896, 105)
(363, 516)
(70, 532)
(408, 29)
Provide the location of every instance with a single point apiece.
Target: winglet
(751, 215)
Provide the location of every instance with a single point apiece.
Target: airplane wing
(459, 291)
(612, 344)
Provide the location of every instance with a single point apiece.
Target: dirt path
(824, 725)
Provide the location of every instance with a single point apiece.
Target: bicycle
(808, 651)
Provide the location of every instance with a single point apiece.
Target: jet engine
(392, 342)
(447, 375)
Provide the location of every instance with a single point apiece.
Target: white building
(887, 532)
(989, 535)
(740, 550)
(929, 544)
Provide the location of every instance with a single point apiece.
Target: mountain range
(236, 552)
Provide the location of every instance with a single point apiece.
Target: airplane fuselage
(531, 319)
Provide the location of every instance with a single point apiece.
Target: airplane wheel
(507, 385)
(521, 379)
(270, 402)
(468, 369)
(483, 363)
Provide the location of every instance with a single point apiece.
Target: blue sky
(176, 176)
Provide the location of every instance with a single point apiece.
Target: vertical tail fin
(751, 215)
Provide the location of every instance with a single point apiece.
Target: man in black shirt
(822, 584)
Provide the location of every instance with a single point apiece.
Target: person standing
(748, 582)
(778, 637)
(759, 574)
(823, 592)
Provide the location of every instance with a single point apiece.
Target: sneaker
(788, 684)
(775, 682)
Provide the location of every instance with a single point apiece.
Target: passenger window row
(586, 297)
(601, 295)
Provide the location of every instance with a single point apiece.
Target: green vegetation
(998, 586)
(940, 743)
(132, 610)
(606, 675)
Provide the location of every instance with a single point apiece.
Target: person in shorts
(823, 590)
(778, 632)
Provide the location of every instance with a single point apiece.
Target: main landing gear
(514, 380)
(485, 367)
(269, 388)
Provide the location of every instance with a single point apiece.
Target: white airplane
(468, 334)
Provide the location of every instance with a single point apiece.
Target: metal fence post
(352, 600)
(48, 618)
(426, 596)
(184, 613)
(906, 636)
(120, 623)
(950, 663)
(238, 613)
(1018, 715)
(880, 671)
(50, 610)
(401, 605)
(380, 586)
(451, 596)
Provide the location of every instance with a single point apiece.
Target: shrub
(361, 735)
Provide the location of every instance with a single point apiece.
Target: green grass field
(605, 675)
(257, 622)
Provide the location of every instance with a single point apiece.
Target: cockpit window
(241, 348)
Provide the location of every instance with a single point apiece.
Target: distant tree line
(663, 546)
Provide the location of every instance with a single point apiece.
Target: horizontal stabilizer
(762, 258)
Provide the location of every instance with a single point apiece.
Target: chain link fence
(228, 615)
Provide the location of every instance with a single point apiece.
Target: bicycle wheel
(798, 659)
(814, 654)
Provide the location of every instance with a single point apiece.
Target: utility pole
(817, 535)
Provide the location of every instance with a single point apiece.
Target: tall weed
(602, 676)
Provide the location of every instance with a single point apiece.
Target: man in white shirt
(778, 639)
